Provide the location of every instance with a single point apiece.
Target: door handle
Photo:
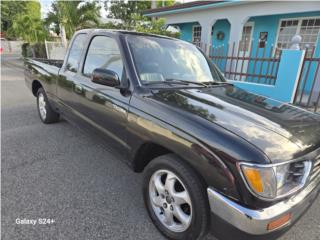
(78, 88)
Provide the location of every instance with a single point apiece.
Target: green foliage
(127, 11)
(165, 3)
(37, 50)
(29, 28)
(25, 21)
(24, 48)
(33, 8)
(111, 25)
(130, 13)
(73, 15)
(155, 26)
(9, 10)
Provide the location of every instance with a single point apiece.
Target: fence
(244, 62)
(287, 75)
(308, 91)
(55, 50)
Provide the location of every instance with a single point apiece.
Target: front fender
(209, 166)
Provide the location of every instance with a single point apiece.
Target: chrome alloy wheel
(170, 200)
(42, 106)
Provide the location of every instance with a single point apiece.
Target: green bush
(143, 24)
(37, 50)
(24, 48)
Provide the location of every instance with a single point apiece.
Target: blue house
(254, 29)
(221, 22)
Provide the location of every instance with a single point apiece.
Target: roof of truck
(120, 31)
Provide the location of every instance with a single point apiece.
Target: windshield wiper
(185, 81)
(204, 84)
(217, 83)
(175, 81)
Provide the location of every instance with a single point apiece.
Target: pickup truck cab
(204, 146)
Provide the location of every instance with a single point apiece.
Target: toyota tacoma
(206, 147)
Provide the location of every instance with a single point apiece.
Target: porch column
(236, 27)
(206, 28)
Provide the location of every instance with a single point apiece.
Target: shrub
(37, 50)
(24, 48)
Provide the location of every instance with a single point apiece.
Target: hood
(281, 131)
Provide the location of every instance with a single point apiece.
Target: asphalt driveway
(61, 173)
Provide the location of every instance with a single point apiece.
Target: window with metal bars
(196, 34)
(307, 28)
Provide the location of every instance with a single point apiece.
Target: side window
(103, 53)
(75, 52)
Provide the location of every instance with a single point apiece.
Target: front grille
(316, 168)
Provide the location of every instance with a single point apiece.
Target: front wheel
(175, 198)
(46, 113)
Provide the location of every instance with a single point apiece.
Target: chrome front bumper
(256, 221)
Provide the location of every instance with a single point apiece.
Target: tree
(25, 21)
(73, 15)
(128, 10)
(29, 28)
(9, 11)
(155, 26)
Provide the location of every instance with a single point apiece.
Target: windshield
(160, 60)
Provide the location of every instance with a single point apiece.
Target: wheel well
(146, 153)
(35, 87)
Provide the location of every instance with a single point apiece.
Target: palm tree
(29, 28)
(73, 15)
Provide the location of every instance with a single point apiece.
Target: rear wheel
(175, 198)
(46, 113)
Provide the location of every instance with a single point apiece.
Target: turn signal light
(254, 178)
(279, 222)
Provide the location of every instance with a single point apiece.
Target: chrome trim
(303, 183)
(256, 221)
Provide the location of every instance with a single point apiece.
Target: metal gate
(308, 89)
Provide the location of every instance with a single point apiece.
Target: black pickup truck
(206, 147)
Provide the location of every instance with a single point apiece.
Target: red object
(1, 49)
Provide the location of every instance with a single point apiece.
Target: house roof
(181, 6)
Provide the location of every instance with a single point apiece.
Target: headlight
(275, 180)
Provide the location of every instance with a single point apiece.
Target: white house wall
(237, 14)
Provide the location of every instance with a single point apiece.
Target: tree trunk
(63, 36)
(153, 4)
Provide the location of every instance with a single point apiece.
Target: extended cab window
(75, 52)
(103, 53)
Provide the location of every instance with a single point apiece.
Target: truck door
(68, 72)
(104, 108)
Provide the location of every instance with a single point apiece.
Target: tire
(46, 113)
(183, 180)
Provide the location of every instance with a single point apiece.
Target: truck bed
(54, 62)
(45, 71)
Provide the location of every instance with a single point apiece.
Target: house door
(244, 49)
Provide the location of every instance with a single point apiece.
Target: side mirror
(105, 77)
